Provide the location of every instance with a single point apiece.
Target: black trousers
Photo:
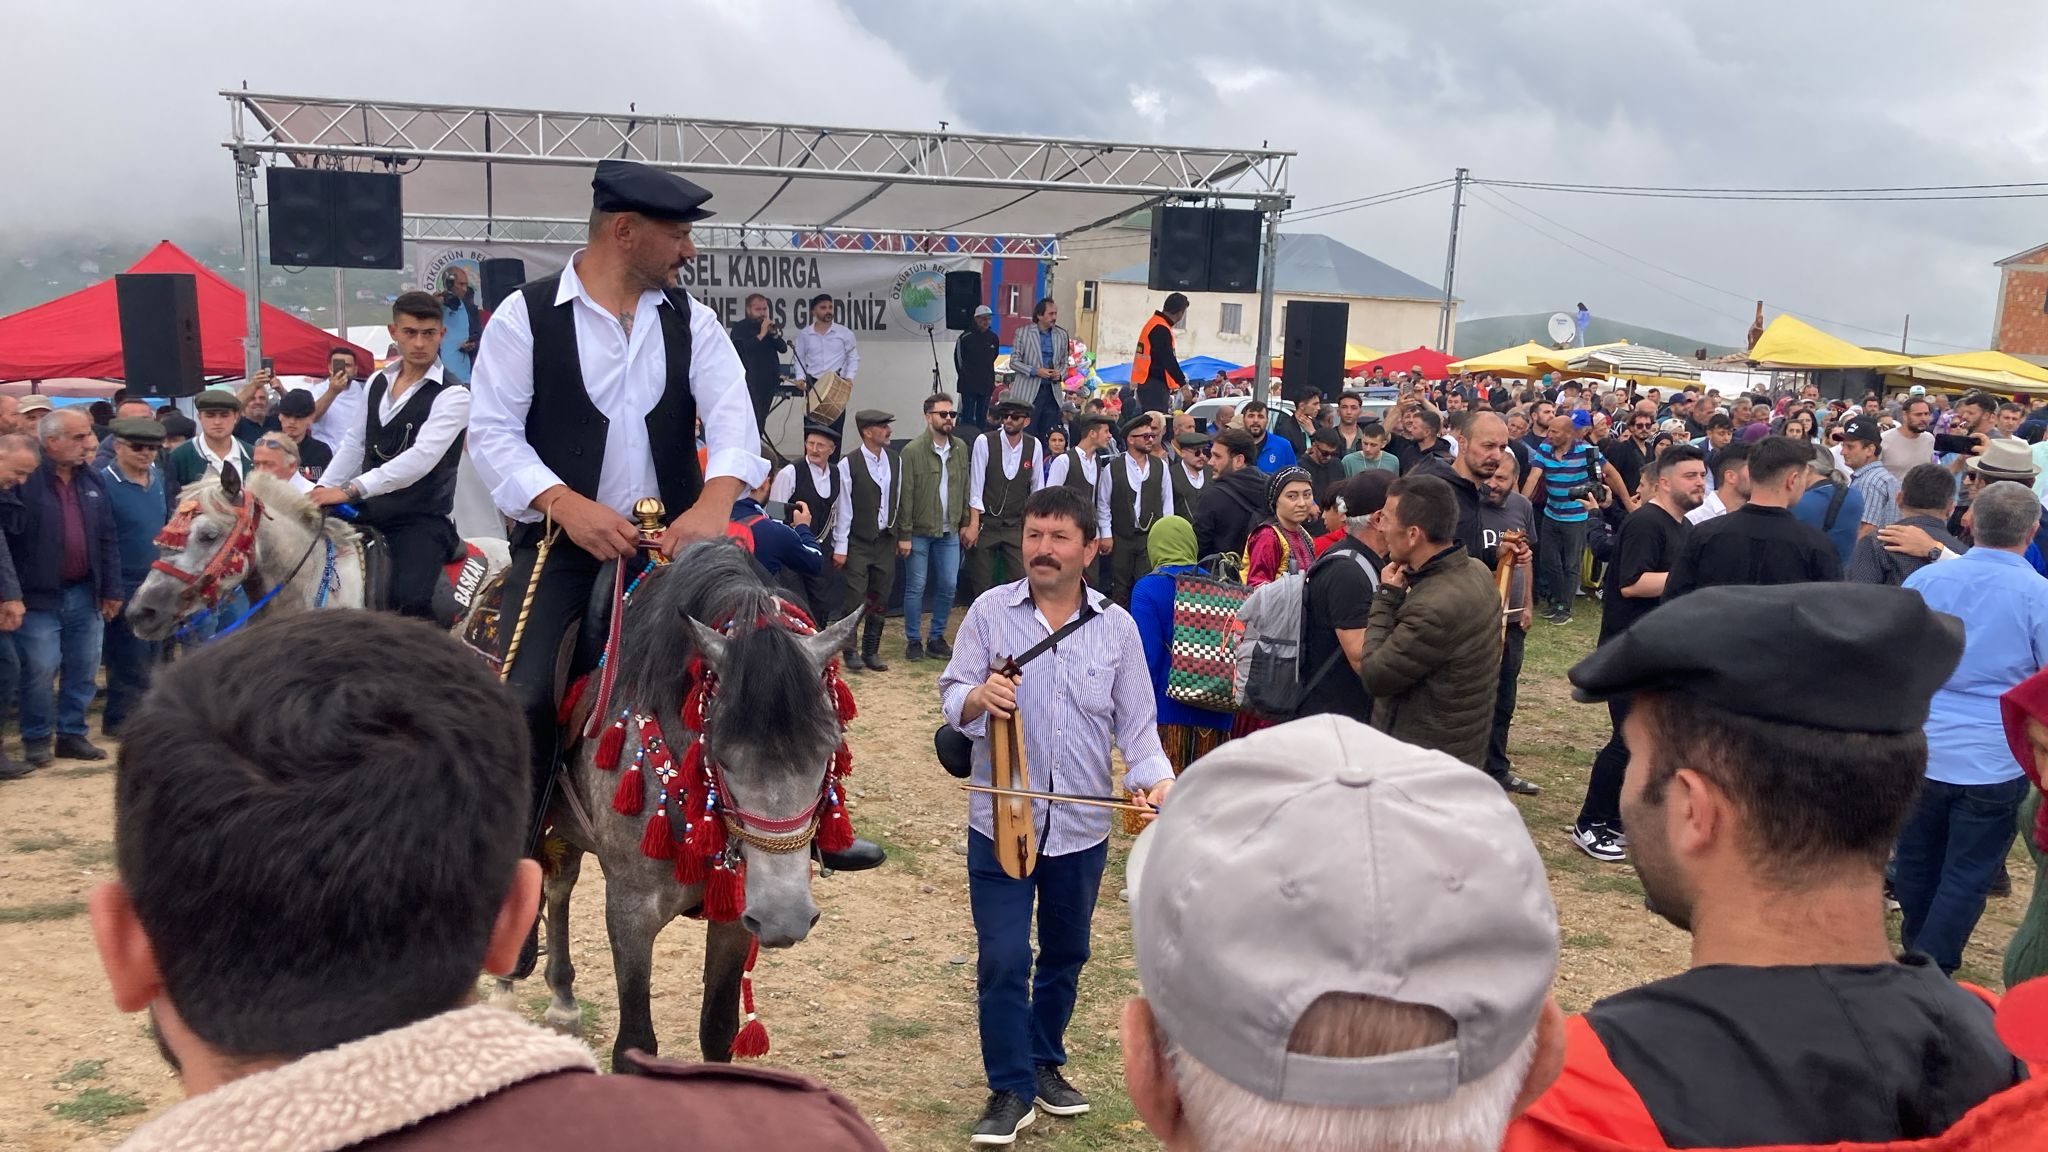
(419, 547)
(1151, 397)
(559, 602)
(996, 540)
(1610, 767)
(1128, 559)
(1497, 765)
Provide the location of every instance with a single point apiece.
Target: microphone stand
(932, 337)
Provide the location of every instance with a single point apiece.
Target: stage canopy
(1994, 370)
(1435, 365)
(1633, 360)
(1792, 343)
(80, 334)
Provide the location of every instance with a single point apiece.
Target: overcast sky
(112, 124)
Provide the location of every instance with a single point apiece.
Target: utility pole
(1905, 332)
(1269, 253)
(1443, 323)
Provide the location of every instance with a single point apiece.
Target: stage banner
(880, 296)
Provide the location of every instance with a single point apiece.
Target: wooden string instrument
(1016, 834)
(1506, 558)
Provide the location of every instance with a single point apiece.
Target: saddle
(462, 584)
(488, 620)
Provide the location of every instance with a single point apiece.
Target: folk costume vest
(568, 432)
(866, 497)
(1076, 479)
(1123, 524)
(823, 504)
(1002, 497)
(430, 495)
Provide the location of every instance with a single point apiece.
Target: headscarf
(2027, 700)
(1291, 474)
(1171, 541)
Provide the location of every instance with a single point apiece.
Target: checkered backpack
(1201, 663)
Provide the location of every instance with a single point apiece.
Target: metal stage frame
(480, 174)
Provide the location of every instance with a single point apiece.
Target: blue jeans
(128, 660)
(1948, 852)
(942, 555)
(1023, 1013)
(60, 647)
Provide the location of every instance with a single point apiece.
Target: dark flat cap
(812, 428)
(217, 399)
(1010, 408)
(1132, 423)
(178, 424)
(297, 402)
(1193, 439)
(623, 186)
(137, 430)
(1887, 652)
(869, 417)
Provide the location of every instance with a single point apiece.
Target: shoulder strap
(1827, 522)
(1087, 613)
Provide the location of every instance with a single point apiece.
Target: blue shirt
(2003, 604)
(1276, 453)
(777, 545)
(1152, 611)
(1045, 349)
(1812, 508)
(454, 360)
(1561, 473)
(140, 511)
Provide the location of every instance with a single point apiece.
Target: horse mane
(714, 582)
(280, 501)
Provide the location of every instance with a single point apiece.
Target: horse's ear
(823, 645)
(709, 642)
(230, 481)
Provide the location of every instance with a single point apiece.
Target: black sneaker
(37, 753)
(1006, 1115)
(938, 647)
(913, 651)
(79, 748)
(1560, 616)
(1514, 785)
(1601, 843)
(11, 769)
(1057, 1096)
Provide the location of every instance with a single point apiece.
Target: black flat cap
(869, 417)
(813, 428)
(297, 402)
(1737, 648)
(1193, 439)
(1010, 408)
(623, 186)
(1133, 423)
(1087, 420)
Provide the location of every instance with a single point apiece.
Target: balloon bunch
(1081, 377)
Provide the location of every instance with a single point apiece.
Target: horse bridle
(233, 558)
(772, 834)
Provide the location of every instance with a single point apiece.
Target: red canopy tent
(1351, 368)
(1435, 365)
(80, 334)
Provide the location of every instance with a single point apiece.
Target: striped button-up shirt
(1075, 701)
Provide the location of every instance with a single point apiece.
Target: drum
(828, 397)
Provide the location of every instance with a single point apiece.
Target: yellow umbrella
(1516, 361)
(1792, 343)
(1986, 369)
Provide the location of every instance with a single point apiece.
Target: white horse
(254, 534)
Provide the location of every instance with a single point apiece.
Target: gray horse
(774, 729)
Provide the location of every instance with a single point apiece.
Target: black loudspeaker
(301, 217)
(963, 296)
(326, 219)
(369, 225)
(1180, 250)
(1234, 249)
(159, 333)
(1314, 348)
(502, 276)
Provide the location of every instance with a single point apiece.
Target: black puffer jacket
(1432, 656)
(1230, 506)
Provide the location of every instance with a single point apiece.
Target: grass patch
(36, 913)
(93, 855)
(80, 1072)
(96, 1106)
(96, 768)
(900, 855)
(1588, 940)
(883, 1029)
(1612, 882)
(49, 842)
(586, 1011)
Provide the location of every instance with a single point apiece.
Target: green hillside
(1493, 332)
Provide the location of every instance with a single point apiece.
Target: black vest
(1122, 524)
(430, 495)
(566, 429)
(865, 497)
(1077, 479)
(823, 504)
(1186, 497)
(1002, 497)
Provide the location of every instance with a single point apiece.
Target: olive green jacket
(919, 513)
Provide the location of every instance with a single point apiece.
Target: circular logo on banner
(923, 296)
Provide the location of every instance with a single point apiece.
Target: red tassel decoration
(570, 699)
(752, 1040)
(689, 866)
(692, 767)
(724, 894)
(835, 831)
(842, 761)
(630, 798)
(707, 835)
(658, 842)
(842, 701)
(611, 744)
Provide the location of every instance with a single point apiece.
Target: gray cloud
(114, 127)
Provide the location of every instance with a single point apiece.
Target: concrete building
(1105, 300)
(2021, 326)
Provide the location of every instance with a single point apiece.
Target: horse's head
(773, 727)
(204, 552)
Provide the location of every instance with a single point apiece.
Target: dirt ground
(879, 1002)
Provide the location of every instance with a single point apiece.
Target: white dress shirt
(242, 460)
(624, 375)
(445, 421)
(842, 509)
(1135, 471)
(1194, 478)
(1708, 509)
(344, 413)
(1013, 459)
(944, 451)
(832, 350)
(783, 490)
(1057, 473)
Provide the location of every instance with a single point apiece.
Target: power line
(1389, 198)
(1790, 195)
(1415, 188)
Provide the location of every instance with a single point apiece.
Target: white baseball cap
(983, 310)
(1322, 856)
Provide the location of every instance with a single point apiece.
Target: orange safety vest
(1592, 1108)
(1141, 364)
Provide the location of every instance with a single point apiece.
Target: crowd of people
(1396, 995)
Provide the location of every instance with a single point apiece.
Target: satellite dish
(1562, 328)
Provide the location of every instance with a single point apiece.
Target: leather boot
(861, 856)
(871, 644)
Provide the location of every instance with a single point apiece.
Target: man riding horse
(585, 398)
